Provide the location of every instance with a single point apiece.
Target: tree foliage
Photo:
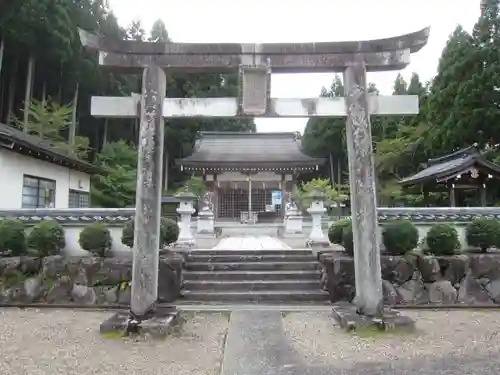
(332, 195)
(45, 32)
(116, 184)
(458, 107)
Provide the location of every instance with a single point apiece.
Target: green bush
(335, 234)
(96, 239)
(46, 238)
(12, 237)
(128, 234)
(483, 233)
(400, 237)
(442, 239)
(169, 232)
(347, 240)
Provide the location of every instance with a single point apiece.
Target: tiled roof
(18, 141)
(226, 149)
(451, 164)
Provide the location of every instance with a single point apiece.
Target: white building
(33, 174)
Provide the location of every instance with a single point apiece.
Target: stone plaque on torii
(255, 62)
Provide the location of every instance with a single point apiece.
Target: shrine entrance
(235, 200)
(254, 64)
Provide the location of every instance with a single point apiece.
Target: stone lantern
(185, 210)
(317, 210)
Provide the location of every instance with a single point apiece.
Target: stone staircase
(252, 276)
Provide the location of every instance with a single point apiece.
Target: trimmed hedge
(400, 237)
(335, 232)
(442, 239)
(483, 233)
(169, 232)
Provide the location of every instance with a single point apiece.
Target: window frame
(37, 196)
(79, 193)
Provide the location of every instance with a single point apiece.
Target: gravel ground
(440, 335)
(52, 342)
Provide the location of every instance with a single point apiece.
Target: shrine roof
(30, 145)
(248, 151)
(452, 165)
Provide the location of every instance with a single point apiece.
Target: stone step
(250, 258)
(251, 285)
(250, 252)
(281, 296)
(251, 266)
(252, 275)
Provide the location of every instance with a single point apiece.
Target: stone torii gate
(255, 62)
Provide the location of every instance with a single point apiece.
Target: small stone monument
(205, 225)
(317, 209)
(293, 220)
(185, 209)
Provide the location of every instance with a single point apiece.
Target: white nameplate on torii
(126, 107)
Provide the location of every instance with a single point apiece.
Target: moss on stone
(100, 280)
(48, 283)
(12, 279)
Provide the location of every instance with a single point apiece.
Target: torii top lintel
(376, 55)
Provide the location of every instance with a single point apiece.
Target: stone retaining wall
(418, 280)
(81, 280)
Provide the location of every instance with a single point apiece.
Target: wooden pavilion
(249, 175)
(462, 170)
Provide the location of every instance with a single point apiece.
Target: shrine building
(462, 173)
(249, 175)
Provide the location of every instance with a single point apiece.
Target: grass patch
(116, 335)
(376, 333)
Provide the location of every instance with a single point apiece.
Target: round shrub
(12, 237)
(46, 238)
(483, 233)
(128, 234)
(347, 240)
(96, 238)
(442, 239)
(169, 232)
(335, 231)
(400, 237)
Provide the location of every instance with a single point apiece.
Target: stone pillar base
(347, 317)
(156, 324)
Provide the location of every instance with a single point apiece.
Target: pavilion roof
(452, 165)
(249, 151)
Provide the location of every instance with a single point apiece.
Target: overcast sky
(263, 21)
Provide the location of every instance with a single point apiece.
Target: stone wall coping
(422, 215)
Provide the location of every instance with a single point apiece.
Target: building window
(78, 199)
(38, 192)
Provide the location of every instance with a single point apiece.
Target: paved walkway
(251, 243)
